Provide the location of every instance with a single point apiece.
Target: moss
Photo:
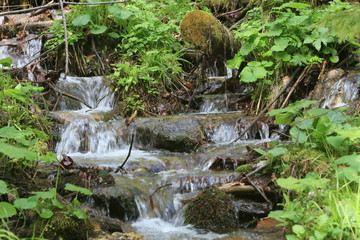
(212, 210)
(206, 32)
(244, 168)
(304, 161)
(62, 226)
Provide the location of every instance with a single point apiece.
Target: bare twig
(122, 165)
(267, 107)
(56, 5)
(259, 190)
(44, 53)
(65, 38)
(95, 3)
(300, 78)
(228, 13)
(68, 95)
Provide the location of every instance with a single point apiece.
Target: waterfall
(21, 51)
(341, 93)
(85, 134)
(92, 90)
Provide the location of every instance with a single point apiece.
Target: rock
(213, 210)
(62, 226)
(117, 201)
(206, 32)
(110, 225)
(174, 134)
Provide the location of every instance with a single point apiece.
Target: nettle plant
(286, 39)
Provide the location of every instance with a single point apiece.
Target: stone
(117, 201)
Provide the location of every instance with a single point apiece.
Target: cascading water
(22, 51)
(341, 93)
(159, 180)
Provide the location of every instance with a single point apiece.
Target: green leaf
(46, 213)
(46, 195)
(3, 187)
(119, 12)
(277, 151)
(262, 152)
(82, 20)
(17, 152)
(351, 160)
(25, 203)
(7, 210)
(280, 44)
(317, 111)
(334, 59)
(252, 73)
(71, 187)
(79, 213)
(335, 141)
(298, 230)
(284, 118)
(98, 29)
(235, 62)
(298, 135)
(19, 136)
(295, 5)
(349, 173)
(114, 35)
(351, 133)
(6, 62)
(49, 157)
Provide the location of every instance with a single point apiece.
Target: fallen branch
(122, 165)
(68, 95)
(268, 106)
(56, 5)
(261, 191)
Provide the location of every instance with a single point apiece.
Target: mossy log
(207, 33)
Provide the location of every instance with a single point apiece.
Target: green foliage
(320, 210)
(318, 128)
(43, 203)
(344, 23)
(286, 38)
(17, 106)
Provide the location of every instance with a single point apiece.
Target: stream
(159, 178)
(89, 140)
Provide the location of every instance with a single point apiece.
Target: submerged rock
(118, 202)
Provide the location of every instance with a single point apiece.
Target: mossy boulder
(207, 33)
(212, 210)
(62, 227)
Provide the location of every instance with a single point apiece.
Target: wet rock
(248, 210)
(110, 225)
(117, 201)
(212, 210)
(335, 89)
(174, 134)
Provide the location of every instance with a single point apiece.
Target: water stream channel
(159, 179)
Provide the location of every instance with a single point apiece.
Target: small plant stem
(65, 38)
